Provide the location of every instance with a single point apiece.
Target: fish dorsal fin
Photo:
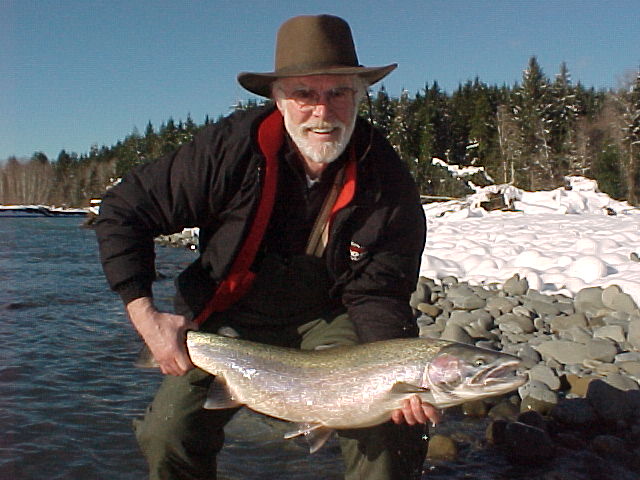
(219, 397)
(315, 434)
(404, 388)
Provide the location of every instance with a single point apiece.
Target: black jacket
(375, 243)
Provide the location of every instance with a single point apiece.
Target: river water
(69, 389)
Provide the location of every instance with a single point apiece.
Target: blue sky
(79, 72)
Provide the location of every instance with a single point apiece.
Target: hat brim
(260, 83)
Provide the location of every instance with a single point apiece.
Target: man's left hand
(414, 411)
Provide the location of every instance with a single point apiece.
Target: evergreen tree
(631, 139)
(533, 114)
(563, 124)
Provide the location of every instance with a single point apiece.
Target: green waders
(180, 439)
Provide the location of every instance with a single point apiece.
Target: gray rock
(516, 286)
(523, 311)
(456, 333)
(621, 382)
(449, 281)
(633, 337)
(628, 357)
(422, 294)
(469, 302)
(528, 355)
(611, 332)
(539, 391)
(546, 375)
(461, 318)
(431, 310)
(430, 331)
(603, 350)
(501, 304)
(565, 322)
(459, 290)
(543, 307)
(589, 299)
(512, 323)
(632, 369)
(634, 257)
(563, 351)
(477, 331)
(576, 334)
(482, 318)
(615, 299)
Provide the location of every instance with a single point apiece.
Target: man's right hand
(164, 334)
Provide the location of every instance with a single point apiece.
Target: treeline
(531, 135)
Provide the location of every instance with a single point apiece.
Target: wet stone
(495, 432)
(608, 401)
(533, 419)
(575, 412)
(441, 448)
(527, 445)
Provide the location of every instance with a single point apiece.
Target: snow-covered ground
(561, 240)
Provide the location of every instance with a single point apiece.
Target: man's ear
(278, 102)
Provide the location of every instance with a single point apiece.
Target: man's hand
(164, 334)
(415, 411)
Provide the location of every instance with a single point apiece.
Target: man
(311, 234)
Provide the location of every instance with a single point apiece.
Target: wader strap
(343, 185)
(240, 277)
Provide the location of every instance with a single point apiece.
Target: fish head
(460, 373)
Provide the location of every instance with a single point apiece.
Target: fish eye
(479, 362)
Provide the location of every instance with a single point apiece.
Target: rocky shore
(579, 413)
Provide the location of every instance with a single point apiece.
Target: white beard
(325, 152)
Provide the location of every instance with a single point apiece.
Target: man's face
(319, 113)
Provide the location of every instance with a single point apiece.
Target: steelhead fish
(347, 387)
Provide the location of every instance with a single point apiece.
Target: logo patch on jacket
(356, 252)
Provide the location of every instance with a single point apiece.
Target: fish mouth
(503, 373)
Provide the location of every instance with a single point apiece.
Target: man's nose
(322, 108)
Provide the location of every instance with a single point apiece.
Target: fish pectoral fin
(145, 359)
(404, 388)
(219, 397)
(315, 434)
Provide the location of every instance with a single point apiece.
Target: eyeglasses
(306, 98)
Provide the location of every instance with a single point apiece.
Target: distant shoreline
(28, 211)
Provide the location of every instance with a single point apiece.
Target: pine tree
(631, 139)
(563, 124)
(532, 112)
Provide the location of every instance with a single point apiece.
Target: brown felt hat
(313, 45)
